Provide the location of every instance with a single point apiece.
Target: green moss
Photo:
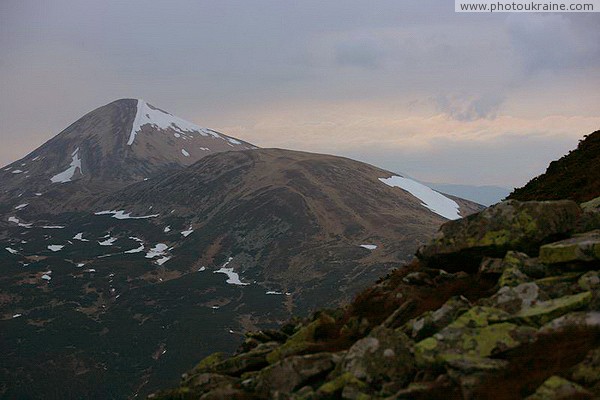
(556, 387)
(208, 362)
(340, 382)
(545, 311)
(300, 341)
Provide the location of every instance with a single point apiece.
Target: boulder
(584, 247)
(433, 321)
(590, 280)
(580, 319)
(545, 311)
(382, 356)
(293, 372)
(557, 388)
(510, 225)
(301, 341)
(478, 333)
(588, 371)
(515, 299)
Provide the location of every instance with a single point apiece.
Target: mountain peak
(122, 142)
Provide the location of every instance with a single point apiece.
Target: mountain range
(133, 243)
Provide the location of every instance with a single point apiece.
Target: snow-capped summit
(123, 142)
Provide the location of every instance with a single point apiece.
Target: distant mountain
(120, 143)
(122, 262)
(575, 176)
(486, 195)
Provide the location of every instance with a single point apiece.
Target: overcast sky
(407, 85)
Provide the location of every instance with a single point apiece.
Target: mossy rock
(478, 333)
(555, 388)
(510, 225)
(301, 341)
(588, 371)
(335, 386)
(383, 356)
(546, 311)
(584, 247)
(590, 280)
(433, 321)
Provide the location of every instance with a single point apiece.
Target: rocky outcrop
(519, 319)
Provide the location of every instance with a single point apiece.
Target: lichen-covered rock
(515, 299)
(470, 372)
(491, 266)
(337, 385)
(382, 356)
(592, 205)
(557, 388)
(590, 280)
(300, 341)
(546, 311)
(432, 321)
(588, 371)
(584, 247)
(477, 333)
(236, 365)
(580, 319)
(293, 372)
(510, 225)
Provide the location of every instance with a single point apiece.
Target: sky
(407, 85)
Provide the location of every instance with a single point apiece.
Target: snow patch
(185, 153)
(369, 246)
(69, 173)
(108, 242)
(157, 251)
(124, 215)
(137, 249)
(274, 292)
(232, 277)
(53, 227)
(17, 171)
(79, 237)
(167, 229)
(163, 260)
(146, 115)
(21, 206)
(17, 315)
(188, 232)
(55, 247)
(18, 222)
(434, 201)
(11, 250)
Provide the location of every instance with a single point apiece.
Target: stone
(580, 319)
(293, 372)
(515, 299)
(546, 311)
(432, 321)
(382, 356)
(238, 364)
(590, 280)
(588, 371)
(491, 266)
(583, 247)
(300, 341)
(592, 205)
(478, 333)
(337, 385)
(555, 388)
(510, 225)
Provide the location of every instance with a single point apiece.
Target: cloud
(554, 42)
(469, 108)
(361, 53)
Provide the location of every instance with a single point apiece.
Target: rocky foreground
(504, 304)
